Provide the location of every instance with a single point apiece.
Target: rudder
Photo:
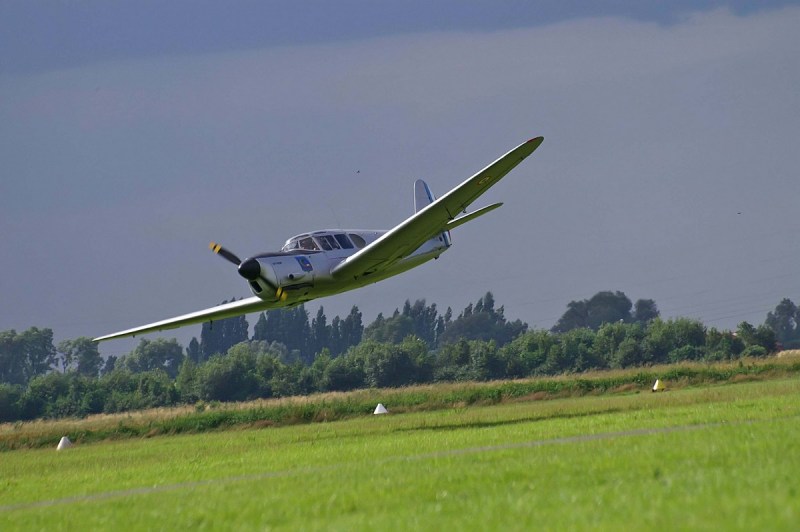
(424, 197)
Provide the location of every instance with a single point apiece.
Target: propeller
(224, 253)
(250, 269)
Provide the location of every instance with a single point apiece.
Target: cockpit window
(307, 243)
(327, 242)
(320, 240)
(343, 241)
(357, 240)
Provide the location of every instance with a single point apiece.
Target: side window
(343, 241)
(327, 242)
(357, 240)
(323, 243)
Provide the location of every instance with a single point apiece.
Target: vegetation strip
(289, 356)
(423, 456)
(331, 407)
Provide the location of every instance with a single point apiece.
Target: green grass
(721, 457)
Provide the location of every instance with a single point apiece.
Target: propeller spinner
(250, 269)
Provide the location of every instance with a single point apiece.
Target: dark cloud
(37, 36)
(116, 175)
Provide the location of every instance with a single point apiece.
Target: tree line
(290, 353)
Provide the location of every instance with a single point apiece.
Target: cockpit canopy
(324, 240)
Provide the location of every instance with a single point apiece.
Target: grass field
(721, 457)
(335, 406)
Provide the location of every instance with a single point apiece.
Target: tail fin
(424, 197)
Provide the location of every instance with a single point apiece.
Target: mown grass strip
(704, 457)
(337, 406)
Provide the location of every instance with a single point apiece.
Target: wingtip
(537, 140)
(103, 338)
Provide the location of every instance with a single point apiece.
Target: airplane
(324, 263)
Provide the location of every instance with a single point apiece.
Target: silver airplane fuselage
(303, 269)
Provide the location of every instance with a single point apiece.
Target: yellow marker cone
(659, 386)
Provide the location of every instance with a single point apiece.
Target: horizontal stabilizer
(471, 216)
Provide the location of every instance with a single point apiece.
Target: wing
(228, 310)
(439, 216)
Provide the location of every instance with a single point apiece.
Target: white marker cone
(380, 409)
(63, 444)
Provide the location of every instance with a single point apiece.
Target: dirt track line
(147, 490)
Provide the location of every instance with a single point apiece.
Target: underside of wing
(404, 239)
(228, 310)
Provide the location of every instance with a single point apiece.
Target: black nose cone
(250, 269)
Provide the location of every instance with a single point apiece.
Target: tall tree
(25, 355)
(576, 317)
(109, 366)
(235, 330)
(287, 326)
(159, 354)
(644, 311)
(216, 337)
(193, 351)
(609, 307)
(335, 341)
(420, 320)
(424, 318)
(297, 336)
(261, 329)
(82, 355)
(211, 339)
(603, 307)
(784, 321)
(11, 355)
(320, 333)
(390, 330)
(482, 322)
(351, 329)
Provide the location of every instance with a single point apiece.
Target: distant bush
(755, 351)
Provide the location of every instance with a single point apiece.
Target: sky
(133, 133)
